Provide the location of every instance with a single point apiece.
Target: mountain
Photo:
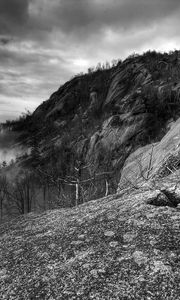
(111, 135)
(80, 138)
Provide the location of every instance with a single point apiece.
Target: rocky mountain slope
(118, 247)
(127, 100)
(115, 111)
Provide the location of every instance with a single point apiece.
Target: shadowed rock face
(130, 116)
(117, 247)
(127, 80)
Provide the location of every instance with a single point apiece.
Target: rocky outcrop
(154, 160)
(127, 81)
(127, 126)
(115, 136)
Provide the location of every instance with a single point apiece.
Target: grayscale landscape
(89, 150)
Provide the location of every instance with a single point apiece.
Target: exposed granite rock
(153, 160)
(126, 81)
(82, 254)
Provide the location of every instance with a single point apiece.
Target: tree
(3, 193)
(90, 70)
(4, 164)
(98, 67)
(21, 193)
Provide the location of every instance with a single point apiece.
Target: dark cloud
(88, 15)
(13, 9)
(5, 40)
(45, 42)
(13, 14)
(35, 18)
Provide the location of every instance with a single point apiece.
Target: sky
(44, 43)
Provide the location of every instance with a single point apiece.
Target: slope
(118, 247)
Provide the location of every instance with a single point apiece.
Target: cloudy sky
(43, 43)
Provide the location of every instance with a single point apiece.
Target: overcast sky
(43, 43)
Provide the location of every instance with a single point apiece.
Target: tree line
(65, 180)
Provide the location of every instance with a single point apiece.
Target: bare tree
(3, 193)
(80, 181)
(20, 194)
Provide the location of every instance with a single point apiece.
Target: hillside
(118, 247)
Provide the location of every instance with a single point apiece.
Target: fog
(9, 154)
(9, 148)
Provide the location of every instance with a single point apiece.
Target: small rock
(139, 258)
(152, 241)
(76, 243)
(80, 292)
(142, 279)
(81, 236)
(94, 273)
(86, 266)
(109, 233)
(128, 237)
(101, 271)
(3, 274)
(156, 252)
(159, 266)
(113, 244)
(111, 216)
(52, 246)
(172, 255)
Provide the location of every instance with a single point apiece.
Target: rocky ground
(118, 247)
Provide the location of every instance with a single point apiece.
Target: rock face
(127, 80)
(130, 116)
(153, 160)
(117, 247)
